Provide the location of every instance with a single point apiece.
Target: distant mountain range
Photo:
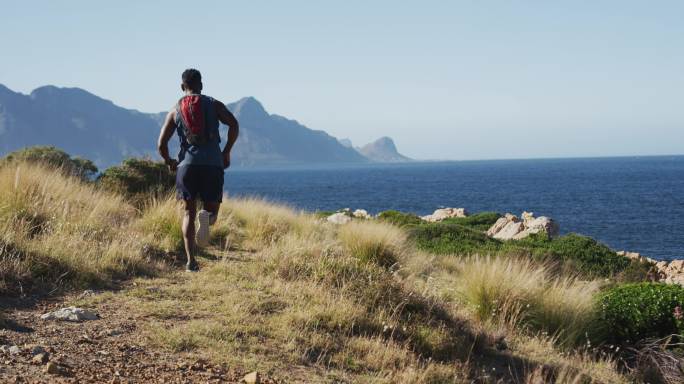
(86, 125)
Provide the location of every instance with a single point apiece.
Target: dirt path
(111, 349)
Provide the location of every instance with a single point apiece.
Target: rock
(676, 265)
(510, 230)
(542, 224)
(87, 293)
(339, 218)
(252, 378)
(14, 350)
(40, 358)
(510, 227)
(70, 314)
(35, 349)
(4, 349)
(498, 226)
(445, 213)
(362, 214)
(54, 369)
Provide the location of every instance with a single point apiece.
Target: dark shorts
(204, 181)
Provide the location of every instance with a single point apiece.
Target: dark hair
(191, 77)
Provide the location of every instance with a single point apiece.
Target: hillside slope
(279, 292)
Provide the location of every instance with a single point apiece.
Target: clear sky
(445, 79)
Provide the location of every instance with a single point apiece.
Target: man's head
(192, 81)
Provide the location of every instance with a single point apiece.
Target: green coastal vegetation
(393, 299)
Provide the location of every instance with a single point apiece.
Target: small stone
(252, 378)
(36, 349)
(40, 358)
(70, 314)
(53, 369)
(14, 350)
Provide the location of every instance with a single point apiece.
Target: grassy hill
(282, 292)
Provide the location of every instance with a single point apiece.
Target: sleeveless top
(208, 153)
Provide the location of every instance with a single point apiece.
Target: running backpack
(190, 113)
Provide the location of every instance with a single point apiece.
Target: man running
(201, 162)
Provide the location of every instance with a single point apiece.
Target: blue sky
(445, 79)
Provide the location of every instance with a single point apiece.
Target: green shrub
(399, 218)
(53, 158)
(632, 312)
(323, 214)
(581, 253)
(572, 253)
(479, 221)
(137, 179)
(635, 272)
(446, 238)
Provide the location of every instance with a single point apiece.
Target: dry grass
(376, 242)
(255, 223)
(160, 223)
(58, 231)
(522, 294)
(351, 303)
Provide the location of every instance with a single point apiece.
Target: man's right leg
(190, 208)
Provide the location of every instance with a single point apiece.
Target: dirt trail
(111, 349)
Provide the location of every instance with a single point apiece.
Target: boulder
(541, 224)
(509, 227)
(498, 226)
(339, 218)
(445, 213)
(510, 230)
(70, 314)
(670, 272)
(361, 214)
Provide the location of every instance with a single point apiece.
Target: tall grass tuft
(160, 223)
(374, 242)
(59, 231)
(260, 222)
(520, 293)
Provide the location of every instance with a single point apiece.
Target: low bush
(446, 238)
(53, 157)
(479, 221)
(633, 312)
(400, 218)
(138, 179)
(588, 255)
(571, 253)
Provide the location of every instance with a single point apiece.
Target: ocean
(628, 203)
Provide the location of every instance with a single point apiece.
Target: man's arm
(164, 137)
(228, 119)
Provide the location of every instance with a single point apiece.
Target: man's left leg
(211, 195)
(206, 217)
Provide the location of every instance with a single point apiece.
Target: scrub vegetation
(393, 300)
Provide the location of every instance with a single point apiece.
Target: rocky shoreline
(511, 227)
